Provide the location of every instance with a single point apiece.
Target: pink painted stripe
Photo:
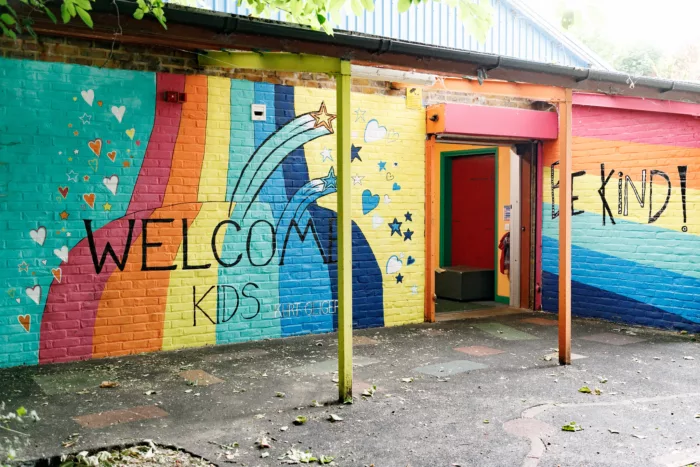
(502, 122)
(71, 306)
(636, 103)
(636, 126)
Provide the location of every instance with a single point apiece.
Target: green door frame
(446, 207)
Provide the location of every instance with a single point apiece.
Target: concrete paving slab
(330, 366)
(115, 417)
(479, 351)
(612, 338)
(574, 356)
(454, 367)
(62, 383)
(200, 378)
(540, 321)
(486, 313)
(363, 340)
(505, 332)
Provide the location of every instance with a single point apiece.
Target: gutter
(429, 58)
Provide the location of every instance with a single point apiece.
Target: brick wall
(635, 220)
(130, 224)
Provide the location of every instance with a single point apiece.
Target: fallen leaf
(597, 392)
(369, 392)
(263, 442)
(547, 358)
(259, 416)
(486, 421)
(187, 391)
(281, 394)
(572, 426)
(325, 459)
(585, 390)
(615, 432)
(315, 403)
(688, 358)
(406, 380)
(334, 418)
(300, 420)
(638, 436)
(148, 393)
(109, 384)
(284, 428)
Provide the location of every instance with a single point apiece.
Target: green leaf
(585, 390)
(356, 6)
(85, 16)
(572, 426)
(368, 5)
(65, 15)
(321, 19)
(21, 411)
(138, 14)
(71, 7)
(9, 20)
(3, 2)
(404, 5)
(300, 420)
(84, 4)
(50, 14)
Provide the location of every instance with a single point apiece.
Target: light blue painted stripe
(660, 288)
(641, 243)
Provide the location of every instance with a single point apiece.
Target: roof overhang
(201, 30)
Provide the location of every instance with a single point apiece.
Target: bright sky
(665, 23)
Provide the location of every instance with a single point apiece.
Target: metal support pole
(344, 235)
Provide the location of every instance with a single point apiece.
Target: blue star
(355, 153)
(329, 181)
(399, 279)
(382, 166)
(395, 227)
(407, 235)
(408, 216)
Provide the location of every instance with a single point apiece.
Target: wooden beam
(564, 142)
(343, 84)
(272, 61)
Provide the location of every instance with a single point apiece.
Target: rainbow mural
(132, 224)
(636, 193)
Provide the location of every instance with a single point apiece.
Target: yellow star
(323, 118)
(23, 267)
(107, 207)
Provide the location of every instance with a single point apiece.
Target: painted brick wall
(636, 250)
(129, 224)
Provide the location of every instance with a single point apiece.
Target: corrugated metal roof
(517, 31)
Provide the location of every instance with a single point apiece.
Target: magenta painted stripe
(636, 126)
(67, 325)
(155, 171)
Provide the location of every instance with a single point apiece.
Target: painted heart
(130, 133)
(63, 190)
(25, 321)
(62, 253)
(90, 199)
(34, 293)
(396, 187)
(410, 260)
(57, 274)
(118, 112)
(88, 96)
(111, 183)
(387, 200)
(94, 164)
(369, 201)
(377, 221)
(374, 131)
(43, 261)
(18, 300)
(38, 235)
(393, 265)
(389, 176)
(95, 146)
(112, 155)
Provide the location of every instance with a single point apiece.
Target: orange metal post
(432, 218)
(564, 142)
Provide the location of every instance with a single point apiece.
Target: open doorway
(467, 276)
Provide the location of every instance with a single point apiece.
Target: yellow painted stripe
(586, 188)
(212, 184)
(404, 144)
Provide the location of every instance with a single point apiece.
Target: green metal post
(344, 235)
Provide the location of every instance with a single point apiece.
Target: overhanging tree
(317, 14)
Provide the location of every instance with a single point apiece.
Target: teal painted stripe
(645, 244)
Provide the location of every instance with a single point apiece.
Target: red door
(473, 211)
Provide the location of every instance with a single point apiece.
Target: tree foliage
(317, 14)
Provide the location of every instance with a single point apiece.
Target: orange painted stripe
(131, 314)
